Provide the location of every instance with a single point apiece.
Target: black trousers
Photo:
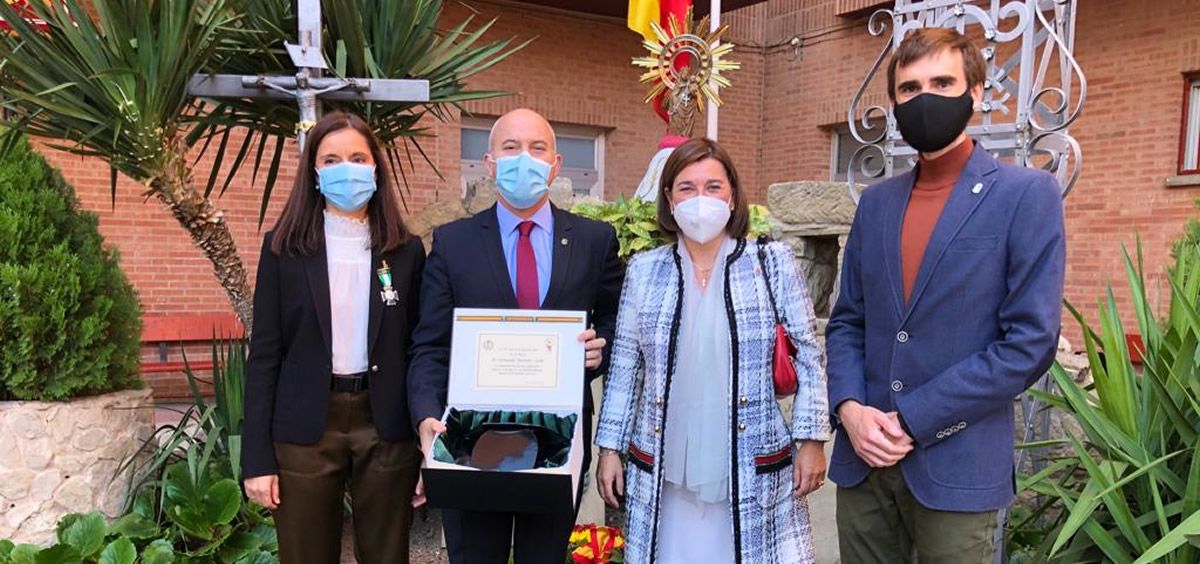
(488, 537)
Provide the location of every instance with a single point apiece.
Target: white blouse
(348, 263)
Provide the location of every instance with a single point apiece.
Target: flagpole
(714, 20)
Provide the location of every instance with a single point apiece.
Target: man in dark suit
(522, 253)
(950, 306)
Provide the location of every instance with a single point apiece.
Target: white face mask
(702, 218)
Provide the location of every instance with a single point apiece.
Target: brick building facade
(801, 62)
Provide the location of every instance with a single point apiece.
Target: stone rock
(91, 439)
(561, 193)
(70, 466)
(26, 424)
(434, 215)
(75, 495)
(37, 452)
(811, 203)
(45, 483)
(14, 483)
(10, 457)
(16, 514)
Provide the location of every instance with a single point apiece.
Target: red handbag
(783, 370)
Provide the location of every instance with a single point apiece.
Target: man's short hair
(929, 40)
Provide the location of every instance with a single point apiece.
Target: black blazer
(467, 269)
(289, 368)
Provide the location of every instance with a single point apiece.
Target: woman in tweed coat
(689, 398)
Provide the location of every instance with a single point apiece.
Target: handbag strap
(762, 261)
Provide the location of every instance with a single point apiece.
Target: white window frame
(1189, 135)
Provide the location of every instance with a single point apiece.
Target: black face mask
(930, 122)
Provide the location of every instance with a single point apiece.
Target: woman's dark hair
(300, 230)
(690, 152)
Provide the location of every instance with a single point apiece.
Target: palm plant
(115, 87)
(111, 82)
(1130, 491)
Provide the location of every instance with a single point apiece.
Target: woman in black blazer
(326, 402)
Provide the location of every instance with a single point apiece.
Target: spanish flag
(642, 12)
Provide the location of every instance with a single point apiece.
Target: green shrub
(636, 222)
(1129, 491)
(69, 320)
(1191, 235)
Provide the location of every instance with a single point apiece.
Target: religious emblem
(685, 62)
(684, 67)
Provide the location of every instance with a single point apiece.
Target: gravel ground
(426, 541)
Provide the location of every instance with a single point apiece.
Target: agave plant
(1130, 492)
(110, 81)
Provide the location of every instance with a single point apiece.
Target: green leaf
(269, 536)
(134, 526)
(258, 557)
(158, 552)
(238, 545)
(222, 501)
(1176, 538)
(120, 551)
(83, 532)
(24, 554)
(6, 548)
(59, 554)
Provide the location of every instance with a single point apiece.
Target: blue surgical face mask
(347, 186)
(521, 179)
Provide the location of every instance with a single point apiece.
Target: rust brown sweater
(935, 182)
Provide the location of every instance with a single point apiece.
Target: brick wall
(775, 123)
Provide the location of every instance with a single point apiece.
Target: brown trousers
(312, 484)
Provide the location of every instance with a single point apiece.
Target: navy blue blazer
(466, 268)
(981, 326)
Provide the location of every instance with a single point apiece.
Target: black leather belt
(349, 382)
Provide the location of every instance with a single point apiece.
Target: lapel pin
(564, 241)
(977, 188)
(388, 294)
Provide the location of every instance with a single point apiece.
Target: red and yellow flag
(642, 12)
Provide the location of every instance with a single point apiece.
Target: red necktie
(527, 273)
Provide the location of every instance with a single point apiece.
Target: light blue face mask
(347, 186)
(521, 179)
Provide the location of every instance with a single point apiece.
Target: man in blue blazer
(522, 253)
(949, 307)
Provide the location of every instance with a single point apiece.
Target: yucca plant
(373, 39)
(115, 87)
(1130, 491)
(108, 79)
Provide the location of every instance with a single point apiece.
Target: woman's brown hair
(300, 230)
(690, 152)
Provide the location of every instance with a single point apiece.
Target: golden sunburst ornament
(687, 62)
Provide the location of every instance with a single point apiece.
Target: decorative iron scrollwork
(1030, 97)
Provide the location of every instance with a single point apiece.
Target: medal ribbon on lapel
(388, 294)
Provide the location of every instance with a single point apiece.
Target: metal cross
(308, 87)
